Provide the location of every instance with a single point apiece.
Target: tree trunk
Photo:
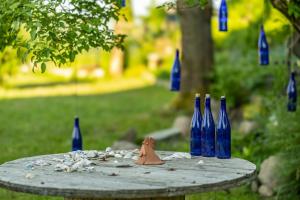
(197, 52)
(282, 6)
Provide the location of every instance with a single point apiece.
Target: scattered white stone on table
(178, 155)
(111, 153)
(200, 162)
(118, 156)
(90, 169)
(91, 154)
(29, 176)
(29, 166)
(128, 155)
(41, 163)
(135, 158)
(62, 167)
(83, 160)
(136, 151)
(58, 160)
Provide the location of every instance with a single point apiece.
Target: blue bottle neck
(292, 76)
(197, 103)
(76, 122)
(177, 53)
(207, 103)
(223, 104)
(223, 4)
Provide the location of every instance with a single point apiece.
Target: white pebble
(61, 167)
(128, 155)
(91, 154)
(108, 149)
(178, 155)
(90, 169)
(200, 162)
(135, 158)
(57, 160)
(118, 156)
(29, 176)
(136, 151)
(167, 158)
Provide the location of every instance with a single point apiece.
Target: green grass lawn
(43, 125)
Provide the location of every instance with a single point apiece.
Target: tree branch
(282, 6)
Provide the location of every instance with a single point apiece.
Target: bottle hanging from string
(223, 136)
(76, 137)
(208, 131)
(223, 16)
(123, 3)
(263, 47)
(292, 93)
(195, 143)
(175, 74)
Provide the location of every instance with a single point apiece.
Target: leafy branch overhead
(58, 30)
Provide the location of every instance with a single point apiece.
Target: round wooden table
(126, 180)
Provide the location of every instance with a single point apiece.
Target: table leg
(158, 198)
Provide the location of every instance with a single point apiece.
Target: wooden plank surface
(108, 181)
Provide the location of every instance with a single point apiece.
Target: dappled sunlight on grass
(71, 88)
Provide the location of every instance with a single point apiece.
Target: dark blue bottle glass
(123, 3)
(195, 147)
(292, 93)
(76, 138)
(175, 74)
(223, 136)
(223, 16)
(208, 131)
(263, 47)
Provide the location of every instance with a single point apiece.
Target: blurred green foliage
(58, 30)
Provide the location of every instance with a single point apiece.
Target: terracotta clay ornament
(147, 154)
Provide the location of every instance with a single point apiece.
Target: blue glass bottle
(223, 136)
(223, 16)
(76, 138)
(195, 147)
(175, 74)
(123, 3)
(292, 93)
(263, 47)
(208, 131)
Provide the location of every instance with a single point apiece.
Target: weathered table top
(174, 178)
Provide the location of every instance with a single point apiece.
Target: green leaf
(43, 67)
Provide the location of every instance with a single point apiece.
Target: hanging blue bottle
(175, 74)
(263, 47)
(223, 16)
(123, 3)
(195, 145)
(76, 138)
(223, 136)
(207, 131)
(292, 93)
